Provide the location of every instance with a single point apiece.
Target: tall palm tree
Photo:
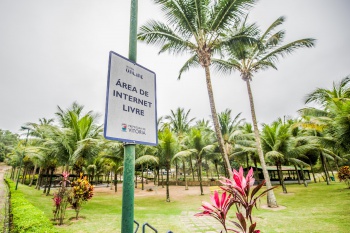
(200, 28)
(249, 59)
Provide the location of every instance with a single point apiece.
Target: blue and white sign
(131, 103)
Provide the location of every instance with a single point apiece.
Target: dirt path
(3, 192)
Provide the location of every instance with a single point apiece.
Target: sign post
(131, 115)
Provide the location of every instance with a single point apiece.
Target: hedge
(26, 217)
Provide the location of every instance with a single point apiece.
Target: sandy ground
(176, 192)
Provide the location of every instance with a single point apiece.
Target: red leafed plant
(60, 199)
(344, 175)
(236, 191)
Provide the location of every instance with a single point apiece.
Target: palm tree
(229, 129)
(198, 144)
(114, 151)
(329, 124)
(200, 28)
(83, 135)
(249, 59)
(281, 147)
(179, 121)
(167, 148)
(325, 97)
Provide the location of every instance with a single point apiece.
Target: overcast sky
(55, 52)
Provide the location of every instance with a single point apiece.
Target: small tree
(82, 191)
(344, 174)
(60, 199)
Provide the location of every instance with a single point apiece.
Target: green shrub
(26, 217)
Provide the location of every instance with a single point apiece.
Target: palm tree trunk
(271, 199)
(115, 181)
(40, 177)
(296, 170)
(184, 165)
(280, 176)
(47, 179)
(200, 175)
(216, 123)
(312, 170)
(256, 173)
(217, 171)
(191, 167)
(303, 176)
(163, 179)
(24, 175)
(330, 168)
(50, 181)
(111, 180)
(142, 185)
(33, 174)
(176, 168)
(323, 161)
(167, 182)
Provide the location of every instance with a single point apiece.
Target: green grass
(317, 208)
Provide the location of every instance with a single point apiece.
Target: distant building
(288, 172)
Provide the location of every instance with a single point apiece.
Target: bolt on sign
(131, 103)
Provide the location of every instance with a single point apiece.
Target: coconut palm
(329, 123)
(200, 28)
(198, 144)
(281, 147)
(249, 59)
(325, 97)
(321, 131)
(179, 121)
(83, 135)
(113, 151)
(167, 148)
(146, 159)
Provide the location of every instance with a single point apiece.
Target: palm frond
(190, 63)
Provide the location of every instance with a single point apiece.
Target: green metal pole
(129, 149)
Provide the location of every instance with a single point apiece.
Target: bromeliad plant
(82, 191)
(236, 191)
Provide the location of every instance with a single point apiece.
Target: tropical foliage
(237, 191)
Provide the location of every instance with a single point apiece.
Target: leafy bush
(26, 217)
(344, 174)
(82, 191)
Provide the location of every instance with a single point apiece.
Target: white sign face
(131, 107)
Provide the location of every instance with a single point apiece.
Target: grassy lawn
(317, 208)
